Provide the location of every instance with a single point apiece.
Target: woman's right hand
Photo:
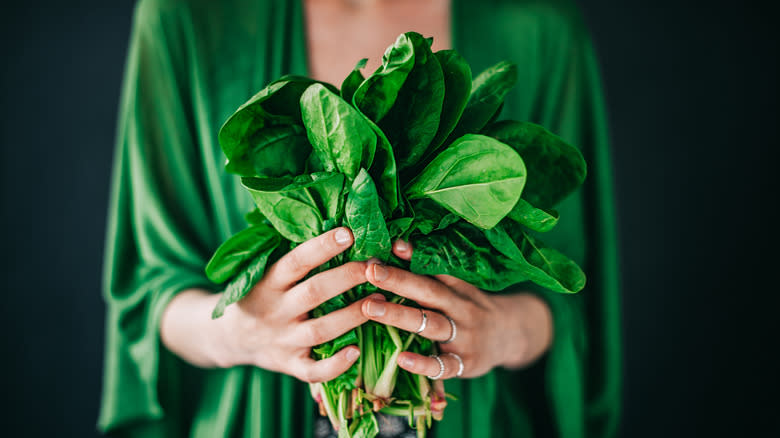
(270, 327)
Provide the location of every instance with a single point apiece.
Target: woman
(534, 363)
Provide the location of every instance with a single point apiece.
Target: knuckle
(306, 374)
(309, 293)
(327, 244)
(465, 310)
(355, 272)
(295, 262)
(314, 334)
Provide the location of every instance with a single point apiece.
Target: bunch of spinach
(411, 152)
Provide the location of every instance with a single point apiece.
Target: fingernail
(380, 272)
(375, 308)
(352, 354)
(406, 361)
(342, 236)
(401, 246)
(373, 261)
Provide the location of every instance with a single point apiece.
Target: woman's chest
(341, 32)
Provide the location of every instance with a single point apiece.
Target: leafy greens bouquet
(413, 151)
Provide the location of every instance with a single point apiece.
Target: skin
(271, 329)
(341, 32)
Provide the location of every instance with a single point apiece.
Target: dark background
(692, 95)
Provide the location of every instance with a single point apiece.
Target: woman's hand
(492, 330)
(270, 328)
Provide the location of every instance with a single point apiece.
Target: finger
(403, 250)
(307, 256)
(437, 327)
(427, 365)
(458, 284)
(317, 331)
(313, 371)
(426, 291)
(309, 294)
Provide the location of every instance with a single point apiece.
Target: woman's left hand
(492, 330)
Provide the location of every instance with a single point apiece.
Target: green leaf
(457, 87)
(366, 426)
(247, 278)
(430, 216)
(338, 133)
(353, 81)
(383, 170)
(298, 208)
(487, 95)
(462, 251)
(332, 347)
(555, 168)
(397, 227)
(272, 151)
(276, 104)
(254, 217)
(478, 178)
(235, 252)
(377, 94)
(534, 218)
(540, 264)
(413, 120)
(364, 217)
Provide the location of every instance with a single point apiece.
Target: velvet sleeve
(155, 244)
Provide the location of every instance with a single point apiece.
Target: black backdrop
(692, 95)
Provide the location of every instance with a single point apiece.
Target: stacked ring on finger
(441, 368)
(460, 363)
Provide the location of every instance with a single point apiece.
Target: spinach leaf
(353, 81)
(534, 218)
(487, 95)
(377, 94)
(298, 208)
(457, 86)
(478, 178)
(367, 426)
(555, 168)
(276, 104)
(242, 283)
(364, 217)
(383, 170)
(540, 264)
(495, 115)
(338, 133)
(272, 151)
(429, 217)
(235, 252)
(398, 227)
(285, 100)
(254, 217)
(413, 120)
(463, 251)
